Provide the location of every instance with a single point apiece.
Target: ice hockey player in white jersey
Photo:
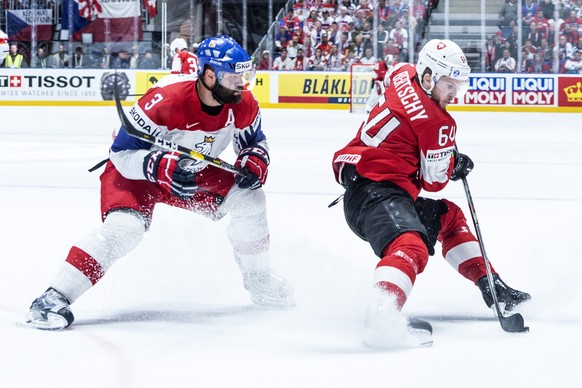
(204, 112)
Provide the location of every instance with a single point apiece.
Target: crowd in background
(551, 34)
(333, 35)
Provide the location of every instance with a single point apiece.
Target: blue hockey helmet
(232, 65)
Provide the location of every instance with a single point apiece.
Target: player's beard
(226, 96)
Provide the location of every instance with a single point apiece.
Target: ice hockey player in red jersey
(405, 145)
(183, 61)
(205, 112)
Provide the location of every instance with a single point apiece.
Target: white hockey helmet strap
(443, 58)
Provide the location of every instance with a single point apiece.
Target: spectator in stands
(317, 62)
(358, 46)
(333, 34)
(545, 50)
(344, 18)
(528, 50)
(574, 65)
(547, 7)
(336, 60)
(14, 59)
(134, 59)
(106, 59)
(325, 19)
(505, 64)
(148, 61)
(350, 59)
(507, 14)
(490, 51)
(564, 50)
(290, 21)
(400, 37)
(350, 5)
(542, 23)
(311, 19)
(391, 49)
(300, 63)
(324, 46)
(533, 34)
(529, 10)
(364, 11)
(578, 45)
(418, 9)
(122, 60)
(343, 43)
(293, 46)
(79, 60)
(382, 38)
(368, 58)
(265, 62)
(40, 60)
(300, 4)
(575, 24)
(538, 65)
(282, 62)
(60, 59)
(570, 35)
(282, 37)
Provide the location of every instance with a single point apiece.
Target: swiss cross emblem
(441, 46)
(15, 81)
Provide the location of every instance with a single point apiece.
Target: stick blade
(513, 324)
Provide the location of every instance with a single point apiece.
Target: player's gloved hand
(463, 166)
(170, 171)
(253, 161)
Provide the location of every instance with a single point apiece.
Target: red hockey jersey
(407, 138)
(184, 62)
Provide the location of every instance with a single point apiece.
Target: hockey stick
(166, 144)
(513, 323)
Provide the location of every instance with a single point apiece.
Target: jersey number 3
(375, 131)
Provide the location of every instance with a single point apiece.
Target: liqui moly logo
(486, 90)
(533, 91)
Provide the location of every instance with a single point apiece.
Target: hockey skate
(387, 328)
(50, 311)
(508, 297)
(268, 289)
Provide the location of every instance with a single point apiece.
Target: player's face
(231, 85)
(446, 89)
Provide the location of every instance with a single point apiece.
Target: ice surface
(174, 313)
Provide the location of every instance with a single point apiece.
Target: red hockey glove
(170, 171)
(253, 161)
(463, 166)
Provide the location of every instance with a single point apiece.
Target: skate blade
(397, 339)
(54, 322)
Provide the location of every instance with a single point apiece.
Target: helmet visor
(452, 87)
(237, 81)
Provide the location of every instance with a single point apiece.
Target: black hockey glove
(463, 166)
(170, 171)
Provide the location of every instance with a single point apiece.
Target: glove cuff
(151, 163)
(257, 151)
